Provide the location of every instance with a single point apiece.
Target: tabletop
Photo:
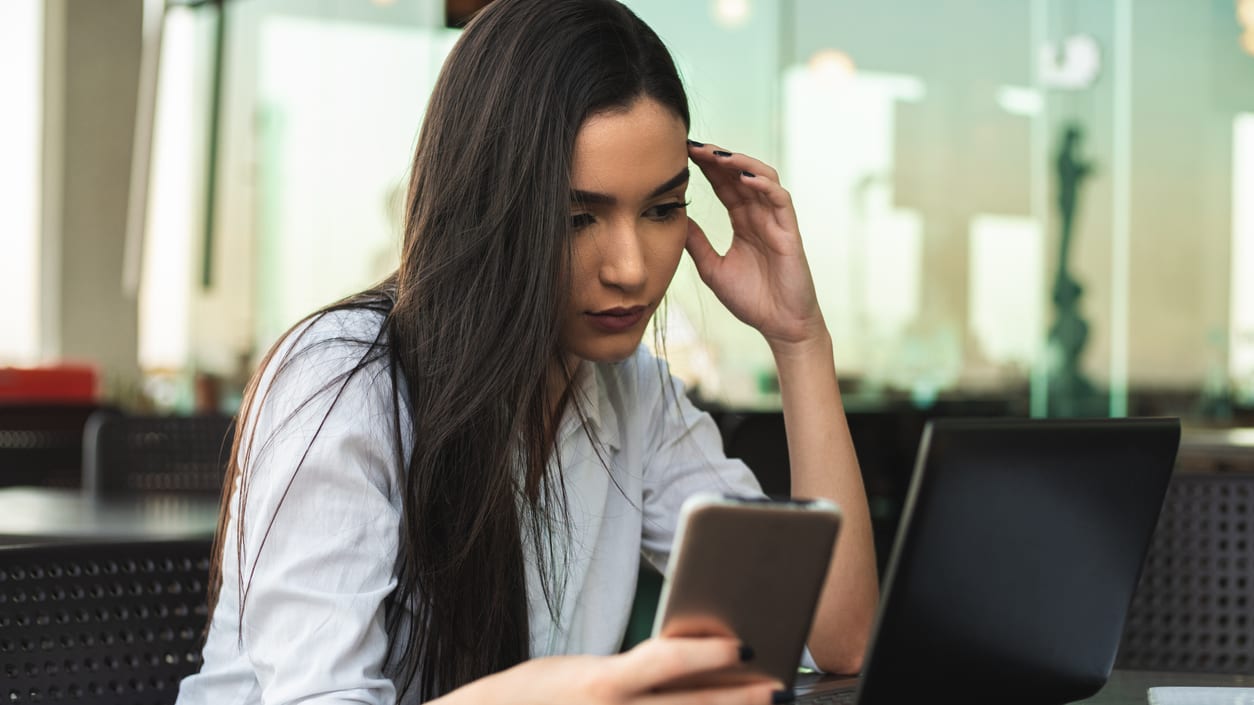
(49, 515)
(1131, 687)
(1123, 687)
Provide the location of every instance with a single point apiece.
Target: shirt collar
(593, 399)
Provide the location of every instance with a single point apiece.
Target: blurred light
(1074, 65)
(1241, 284)
(732, 14)
(908, 89)
(1006, 289)
(172, 216)
(21, 133)
(831, 66)
(1245, 14)
(1018, 100)
(1247, 40)
(383, 3)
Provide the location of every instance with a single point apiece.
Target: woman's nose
(623, 263)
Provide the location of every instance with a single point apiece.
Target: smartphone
(749, 568)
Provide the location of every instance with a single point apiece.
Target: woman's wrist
(814, 344)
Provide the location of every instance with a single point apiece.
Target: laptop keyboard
(831, 697)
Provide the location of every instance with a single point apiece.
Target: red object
(60, 383)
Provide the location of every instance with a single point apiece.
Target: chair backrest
(42, 444)
(885, 443)
(1194, 607)
(101, 623)
(758, 439)
(125, 453)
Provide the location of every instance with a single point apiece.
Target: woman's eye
(665, 211)
(580, 221)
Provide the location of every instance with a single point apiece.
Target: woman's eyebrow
(593, 197)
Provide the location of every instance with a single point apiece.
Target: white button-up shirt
(313, 598)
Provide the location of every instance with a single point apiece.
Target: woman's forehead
(627, 154)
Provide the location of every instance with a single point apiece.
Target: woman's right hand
(636, 676)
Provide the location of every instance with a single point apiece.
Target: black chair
(41, 445)
(1194, 607)
(758, 439)
(101, 623)
(885, 443)
(125, 453)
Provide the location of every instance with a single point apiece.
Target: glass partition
(1042, 206)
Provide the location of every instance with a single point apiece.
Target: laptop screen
(1020, 545)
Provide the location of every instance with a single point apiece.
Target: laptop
(1020, 545)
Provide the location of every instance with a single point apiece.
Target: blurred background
(1030, 207)
(1011, 207)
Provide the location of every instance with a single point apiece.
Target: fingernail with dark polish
(783, 696)
(746, 652)
(721, 153)
(695, 143)
(749, 174)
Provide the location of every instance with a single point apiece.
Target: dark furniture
(758, 438)
(885, 442)
(102, 624)
(127, 453)
(41, 444)
(1194, 607)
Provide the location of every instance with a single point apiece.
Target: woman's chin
(609, 353)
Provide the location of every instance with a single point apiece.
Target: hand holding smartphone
(749, 568)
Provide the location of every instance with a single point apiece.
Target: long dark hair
(472, 321)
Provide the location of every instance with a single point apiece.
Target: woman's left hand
(763, 278)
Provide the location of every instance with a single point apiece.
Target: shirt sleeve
(685, 457)
(321, 525)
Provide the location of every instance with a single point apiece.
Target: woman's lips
(616, 320)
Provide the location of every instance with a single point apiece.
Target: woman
(444, 484)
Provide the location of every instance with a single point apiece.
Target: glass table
(56, 515)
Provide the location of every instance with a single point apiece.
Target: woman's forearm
(823, 464)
